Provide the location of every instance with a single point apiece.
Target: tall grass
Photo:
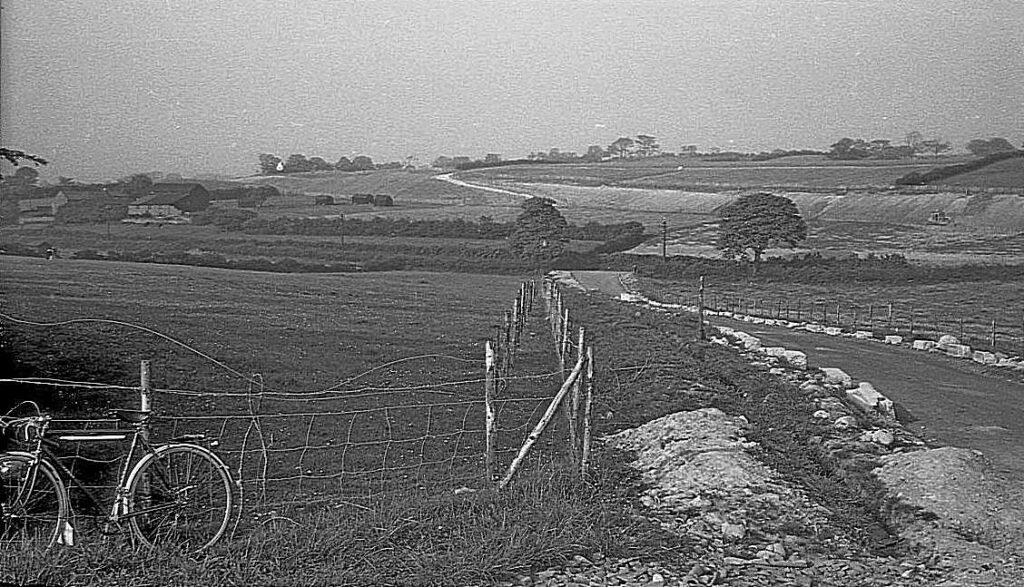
(546, 517)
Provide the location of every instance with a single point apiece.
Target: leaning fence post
(531, 439)
(993, 335)
(145, 399)
(489, 409)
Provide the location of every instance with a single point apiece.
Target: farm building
(170, 202)
(362, 199)
(324, 200)
(39, 210)
(383, 200)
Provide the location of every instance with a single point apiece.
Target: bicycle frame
(118, 509)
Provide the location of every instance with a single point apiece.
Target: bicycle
(177, 494)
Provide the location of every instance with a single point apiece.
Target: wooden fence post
(573, 413)
(993, 335)
(587, 410)
(145, 398)
(489, 410)
(701, 333)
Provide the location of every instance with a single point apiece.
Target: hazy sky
(105, 88)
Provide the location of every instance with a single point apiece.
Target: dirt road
(950, 401)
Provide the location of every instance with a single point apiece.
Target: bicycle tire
(179, 496)
(34, 504)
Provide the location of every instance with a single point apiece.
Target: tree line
(270, 164)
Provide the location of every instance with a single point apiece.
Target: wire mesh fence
(369, 435)
(1002, 332)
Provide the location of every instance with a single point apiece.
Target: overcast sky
(105, 88)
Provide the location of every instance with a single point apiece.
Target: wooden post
(145, 398)
(871, 317)
(911, 320)
(701, 333)
(890, 315)
(961, 337)
(993, 335)
(541, 425)
(573, 413)
(489, 410)
(564, 345)
(799, 308)
(587, 410)
(839, 316)
(854, 318)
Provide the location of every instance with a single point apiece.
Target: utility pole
(664, 240)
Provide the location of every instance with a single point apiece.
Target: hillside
(1002, 174)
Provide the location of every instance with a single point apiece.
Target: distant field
(1008, 173)
(807, 171)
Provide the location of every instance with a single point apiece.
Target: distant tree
(138, 184)
(362, 163)
(756, 222)
(65, 181)
(269, 164)
(983, 147)
(594, 153)
(647, 146)
(24, 176)
(16, 156)
(935, 146)
(847, 148)
(622, 147)
(539, 232)
(443, 162)
(344, 164)
(297, 163)
(913, 140)
(319, 164)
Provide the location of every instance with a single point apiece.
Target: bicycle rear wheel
(34, 504)
(179, 496)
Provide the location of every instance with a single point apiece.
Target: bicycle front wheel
(33, 501)
(179, 496)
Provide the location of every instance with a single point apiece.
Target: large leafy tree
(15, 156)
(539, 232)
(756, 222)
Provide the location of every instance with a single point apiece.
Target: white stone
(863, 334)
(925, 345)
(845, 423)
(774, 351)
(821, 415)
(893, 339)
(631, 298)
(948, 339)
(957, 350)
(814, 328)
(796, 359)
(985, 358)
(833, 331)
(883, 437)
(733, 531)
(865, 396)
(777, 371)
(837, 376)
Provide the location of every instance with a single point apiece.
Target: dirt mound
(959, 486)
